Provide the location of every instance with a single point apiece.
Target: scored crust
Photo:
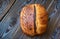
(27, 19)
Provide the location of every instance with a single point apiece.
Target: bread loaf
(33, 19)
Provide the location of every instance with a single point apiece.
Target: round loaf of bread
(33, 19)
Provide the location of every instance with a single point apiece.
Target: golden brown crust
(27, 19)
(41, 19)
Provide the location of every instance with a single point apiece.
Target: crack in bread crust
(34, 19)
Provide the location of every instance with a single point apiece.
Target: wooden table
(10, 24)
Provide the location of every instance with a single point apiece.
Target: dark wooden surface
(10, 24)
(5, 5)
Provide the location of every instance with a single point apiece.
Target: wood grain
(12, 22)
(6, 9)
